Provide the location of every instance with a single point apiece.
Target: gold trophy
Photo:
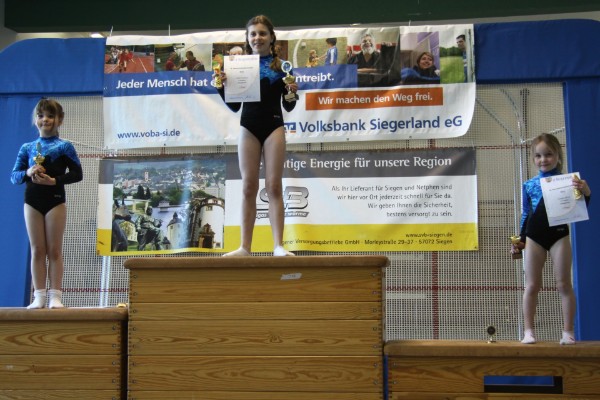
(576, 192)
(515, 240)
(39, 158)
(217, 82)
(288, 79)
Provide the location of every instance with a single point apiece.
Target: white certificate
(243, 78)
(561, 205)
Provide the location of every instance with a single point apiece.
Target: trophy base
(517, 256)
(291, 97)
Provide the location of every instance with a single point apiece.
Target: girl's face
(260, 39)
(425, 62)
(47, 123)
(544, 157)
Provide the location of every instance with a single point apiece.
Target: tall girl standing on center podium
(262, 136)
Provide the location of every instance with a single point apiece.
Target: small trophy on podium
(217, 82)
(39, 158)
(286, 67)
(491, 331)
(515, 240)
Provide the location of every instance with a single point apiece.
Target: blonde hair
(552, 142)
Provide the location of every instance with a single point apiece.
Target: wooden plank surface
(260, 337)
(64, 314)
(254, 374)
(347, 262)
(60, 337)
(474, 348)
(260, 285)
(259, 326)
(275, 395)
(50, 394)
(264, 310)
(465, 374)
(37, 372)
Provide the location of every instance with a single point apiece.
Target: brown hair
(263, 19)
(50, 106)
(425, 53)
(552, 142)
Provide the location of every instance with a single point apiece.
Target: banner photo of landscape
(162, 205)
(362, 84)
(417, 200)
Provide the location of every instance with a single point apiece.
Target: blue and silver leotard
(534, 220)
(61, 163)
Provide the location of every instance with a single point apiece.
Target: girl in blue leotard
(45, 210)
(539, 239)
(262, 135)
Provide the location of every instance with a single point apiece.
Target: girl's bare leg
(249, 155)
(56, 222)
(36, 230)
(561, 255)
(274, 156)
(534, 259)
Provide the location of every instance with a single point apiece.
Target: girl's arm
(525, 211)
(19, 171)
(235, 107)
(75, 173)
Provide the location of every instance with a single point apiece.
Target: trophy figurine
(286, 67)
(576, 192)
(217, 82)
(39, 158)
(515, 240)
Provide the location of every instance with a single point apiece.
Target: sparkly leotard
(534, 220)
(60, 156)
(263, 117)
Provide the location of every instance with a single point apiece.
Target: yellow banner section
(350, 238)
(104, 248)
(409, 237)
(103, 240)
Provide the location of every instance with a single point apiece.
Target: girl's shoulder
(30, 145)
(531, 184)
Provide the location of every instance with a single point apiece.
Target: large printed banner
(421, 200)
(415, 83)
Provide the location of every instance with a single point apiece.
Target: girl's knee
(38, 252)
(532, 289)
(274, 189)
(54, 255)
(249, 190)
(564, 288)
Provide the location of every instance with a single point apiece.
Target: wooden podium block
(70, 353)
(268, 328)
(448, 369)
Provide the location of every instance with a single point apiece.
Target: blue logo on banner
(290, 127)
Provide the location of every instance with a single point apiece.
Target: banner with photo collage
(415, 83)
